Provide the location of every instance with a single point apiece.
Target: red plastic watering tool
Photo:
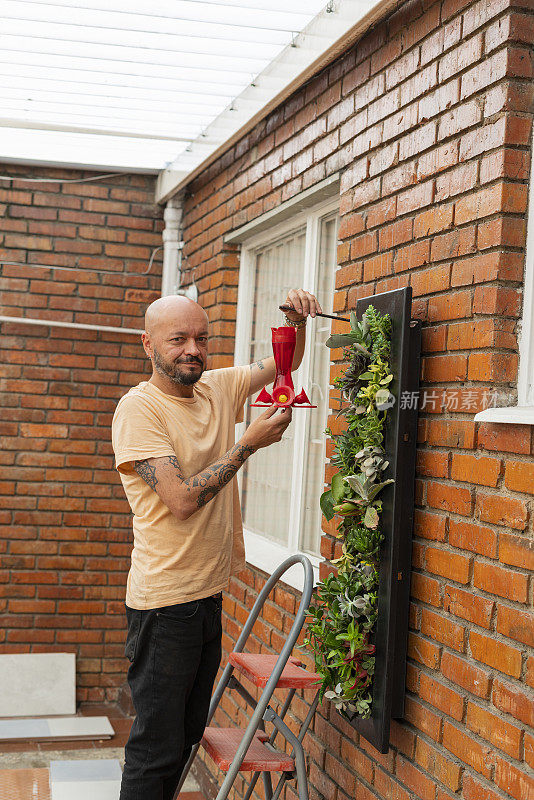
(283, 395)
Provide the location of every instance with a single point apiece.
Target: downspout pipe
(172, 247)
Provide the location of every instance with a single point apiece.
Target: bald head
(176, 339)
(170, 311)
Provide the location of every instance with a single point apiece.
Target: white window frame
(523, 412)
(260, 551)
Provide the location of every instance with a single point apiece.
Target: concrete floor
(38, 755)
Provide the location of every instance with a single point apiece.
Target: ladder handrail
(281, 661)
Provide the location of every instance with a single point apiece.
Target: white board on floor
(55, 729)
(37, 684)
(95, 779)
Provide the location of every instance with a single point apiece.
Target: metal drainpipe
(172, 246)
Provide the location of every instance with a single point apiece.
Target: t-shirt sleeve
(138, 433)
(235, 382)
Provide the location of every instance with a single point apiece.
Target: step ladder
(250, 749)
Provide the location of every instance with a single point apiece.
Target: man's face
(179, 351)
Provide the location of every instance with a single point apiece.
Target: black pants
(175, 653)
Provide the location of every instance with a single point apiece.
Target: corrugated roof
(131, 84)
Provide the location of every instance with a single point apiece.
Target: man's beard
(175, 373)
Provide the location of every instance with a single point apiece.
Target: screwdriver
(329, 316)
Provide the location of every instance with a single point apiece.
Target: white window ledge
(516, 415)
(268, 555)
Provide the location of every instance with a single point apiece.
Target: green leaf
(327, 504)
(370, 519)
(366, 376)
(377, 487)
(338, 487)
(353, 321)
(340, 340)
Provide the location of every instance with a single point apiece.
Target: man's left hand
(304, 304)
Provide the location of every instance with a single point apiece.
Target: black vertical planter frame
(396, 519)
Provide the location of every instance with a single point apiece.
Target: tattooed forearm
(161, 475)
(222, 472)
(258, 364)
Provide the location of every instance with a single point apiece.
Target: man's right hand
(267, 428)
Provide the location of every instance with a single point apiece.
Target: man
(173, 438)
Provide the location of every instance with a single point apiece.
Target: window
(280, 488)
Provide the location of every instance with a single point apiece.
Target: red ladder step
(222, 743)
(258, 667)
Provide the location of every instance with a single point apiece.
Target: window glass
(292, 472)
(266, 486)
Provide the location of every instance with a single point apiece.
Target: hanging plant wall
(359, 617)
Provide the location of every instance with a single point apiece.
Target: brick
(517, 551)
(441, 697)
(434, 762)
(473, 790)
(511, 438)
(454, 305)
(442, 630)
(495, 654)
(483, 471)
(504, 736)
(449, 498)
(426, 589)
(497, 300)
(456, 121)
(503, 197)
(500, 510)
(437, 160)
(397, 233)
(519, 476)
(467, 749)
(381, 212)
(465, 674)
(430, 526)
(504, 163)
(414, 779)
(512, 780)
(423, 651)
(422, 718)
(513, 701)
(461, 57)
(453, 566)
(470, 536)
(429, 281)
(529, 750)
(415, 198)
(468, 606)
(448, 368)
(451, 433)
(432, 464)
(515, 624)
(479, 333)
(486, 267)
(502, 582)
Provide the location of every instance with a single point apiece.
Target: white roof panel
(131, 83)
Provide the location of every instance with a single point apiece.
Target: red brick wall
(429, 120)
(65, 529)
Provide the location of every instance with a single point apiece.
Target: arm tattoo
(258, 364)
(222, 472)
(147, 472)
(211, 480)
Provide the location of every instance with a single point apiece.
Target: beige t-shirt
(176, 561)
